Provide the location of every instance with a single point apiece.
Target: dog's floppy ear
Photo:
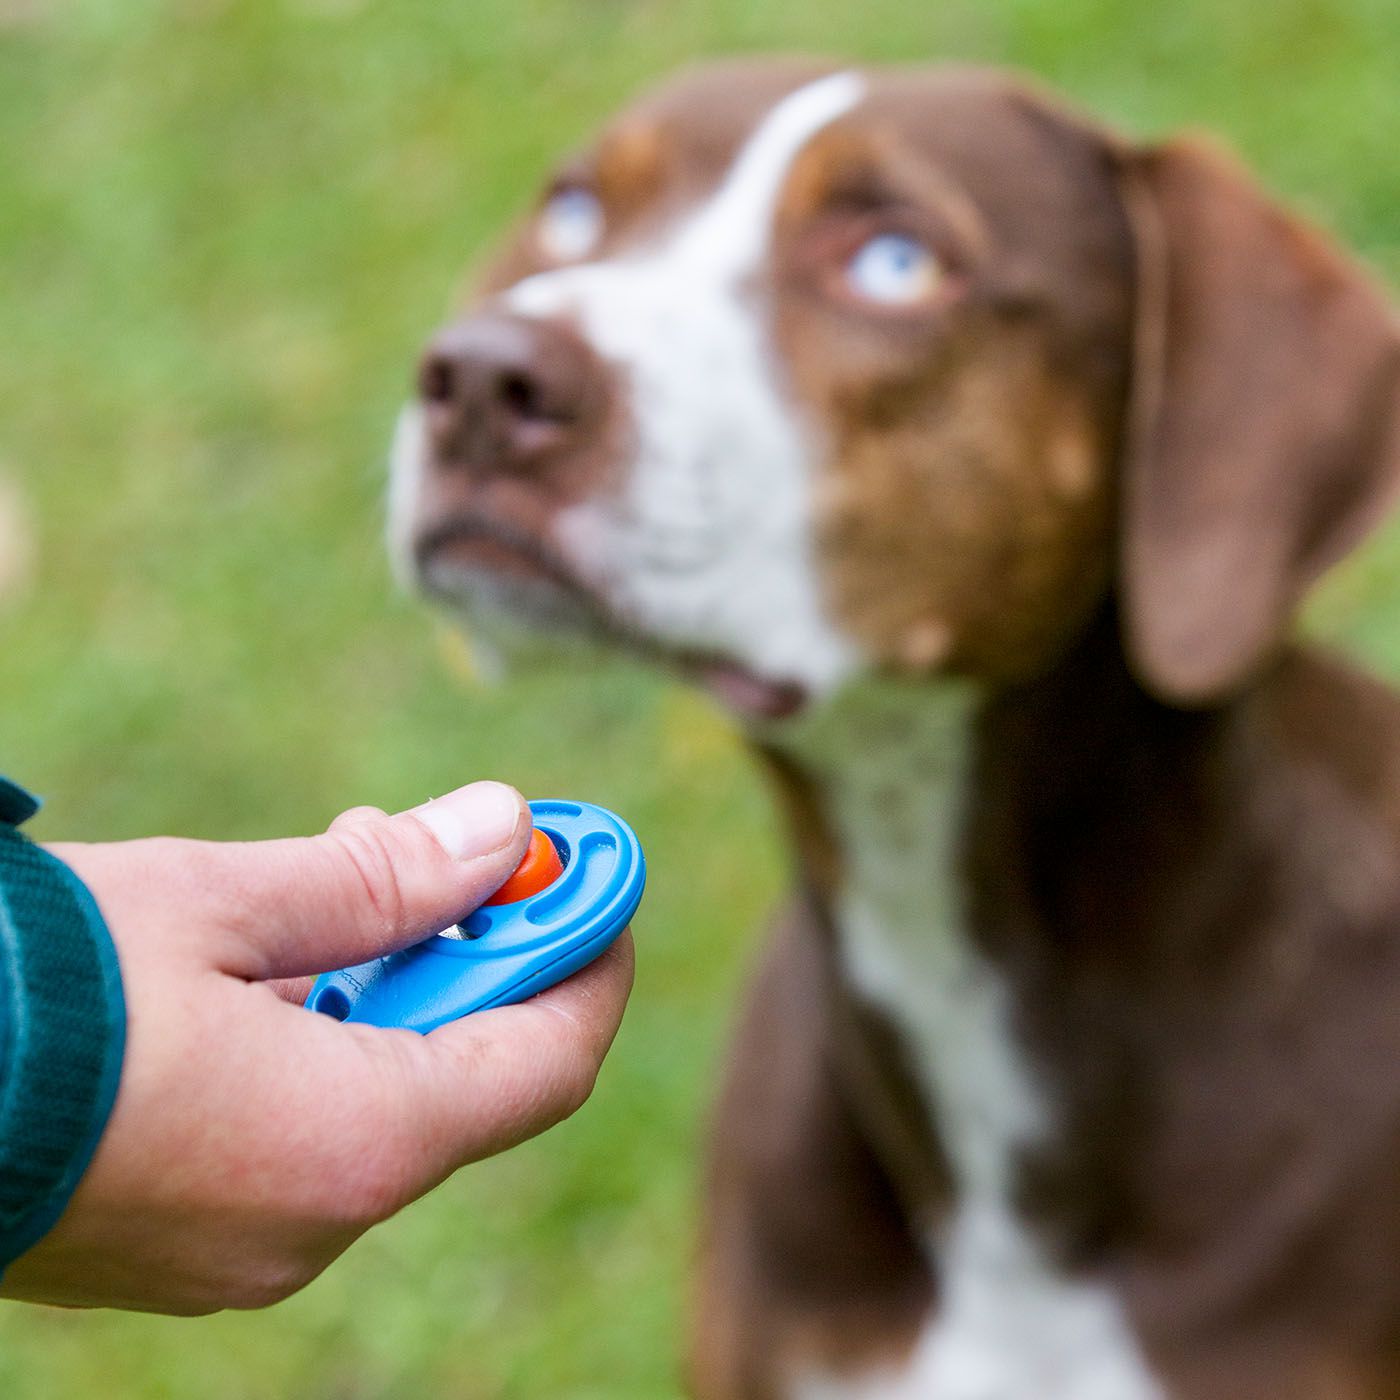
(1264, 432)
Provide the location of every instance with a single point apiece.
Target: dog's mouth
(454, 556)
(739, 689)
(472, 557)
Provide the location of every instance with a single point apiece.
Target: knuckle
(577, 1084)
(467, 1061)
(273, 1283)
(370, 856)
(564, 1078)
(374, 1181)
(562, 1084)
(578, 1062)
(202, 1297)
(379, 1190)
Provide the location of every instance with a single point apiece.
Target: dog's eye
(892, 269)
(570, 224)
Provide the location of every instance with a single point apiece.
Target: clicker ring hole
(332, 1002)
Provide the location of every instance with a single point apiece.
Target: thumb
(371, 885)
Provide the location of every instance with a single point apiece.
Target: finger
(385, 1115)
(292, 989)
(496, 1078)
(369, 885)
(357, 814)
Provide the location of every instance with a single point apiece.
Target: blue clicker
(504, 953)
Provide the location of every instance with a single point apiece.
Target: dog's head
(798, 373)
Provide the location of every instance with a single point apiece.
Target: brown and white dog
(978, 459)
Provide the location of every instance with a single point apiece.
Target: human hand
(251, 1141)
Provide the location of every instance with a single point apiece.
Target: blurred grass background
(224, 231)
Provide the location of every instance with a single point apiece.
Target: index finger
(480, 1085)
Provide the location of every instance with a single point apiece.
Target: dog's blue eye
(570, 224)
(893, 269)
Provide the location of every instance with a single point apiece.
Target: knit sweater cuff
(62, 1031)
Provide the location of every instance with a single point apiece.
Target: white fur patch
(708, 544)
(1008, 1327)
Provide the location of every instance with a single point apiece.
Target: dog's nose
(503, 392)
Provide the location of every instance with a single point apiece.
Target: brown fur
(795, 1182)
(995, 524)
(1198, 914)
(1267, 434)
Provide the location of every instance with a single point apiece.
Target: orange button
(540, 869)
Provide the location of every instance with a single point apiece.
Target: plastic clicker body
(505, 953)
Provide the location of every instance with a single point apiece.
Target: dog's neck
(887, 766)
(886, 782)
(961, 844)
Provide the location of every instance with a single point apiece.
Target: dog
(977, 459)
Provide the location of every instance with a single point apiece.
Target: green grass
(224, 229)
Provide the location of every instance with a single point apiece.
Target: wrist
(62, 1031)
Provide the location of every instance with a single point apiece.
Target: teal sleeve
(62, 1030)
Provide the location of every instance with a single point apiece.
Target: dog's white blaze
(1007, 1327)
(731, 233)
(708, 545)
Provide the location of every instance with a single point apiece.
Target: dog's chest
(895, 792)
(893, 765)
